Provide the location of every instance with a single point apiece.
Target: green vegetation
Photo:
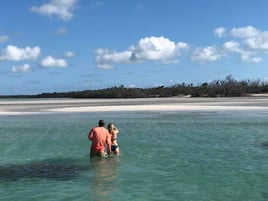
(229, 87)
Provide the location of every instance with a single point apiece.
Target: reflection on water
(103, 177)
(47, 169)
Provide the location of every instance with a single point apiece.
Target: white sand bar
(36, 106)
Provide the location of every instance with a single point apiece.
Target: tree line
(229, 87)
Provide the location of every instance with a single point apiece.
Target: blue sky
(71, 45)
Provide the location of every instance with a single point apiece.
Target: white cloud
(254, 40)
(258, 43)
(206, 54)
(106, 59)
(220, 32)
(60, 8)
(14, 53)
(148, 49)
(4, 38)
(61, 31)
(245, 55)
(250, 45)
(50, 61)
(153, 48)
(244, 32)
(69, 54)
(24, 68)
(182, 46)
(251, 42)
(231, 46)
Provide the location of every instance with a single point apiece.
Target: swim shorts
(114, 147)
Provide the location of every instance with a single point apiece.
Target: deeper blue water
(187, 156)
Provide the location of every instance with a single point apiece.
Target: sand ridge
(37, 106)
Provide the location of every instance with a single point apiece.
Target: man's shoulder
(93, 129)
(103, 129)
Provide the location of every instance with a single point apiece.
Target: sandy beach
(36, 106)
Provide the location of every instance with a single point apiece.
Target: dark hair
(101, 123)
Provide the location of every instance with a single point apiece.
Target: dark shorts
(114, 147)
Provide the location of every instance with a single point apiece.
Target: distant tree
(217, 88)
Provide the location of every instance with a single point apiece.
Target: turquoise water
(188, 156)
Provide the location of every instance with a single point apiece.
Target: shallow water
(164, 156)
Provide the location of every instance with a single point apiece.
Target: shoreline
(40, 106)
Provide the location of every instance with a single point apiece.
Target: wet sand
(36, 106)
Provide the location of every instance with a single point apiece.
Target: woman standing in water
(113, 133)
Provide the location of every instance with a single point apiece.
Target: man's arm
(108, 142)
(90, 134)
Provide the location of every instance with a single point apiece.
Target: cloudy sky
(70, 45)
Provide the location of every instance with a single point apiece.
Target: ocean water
(184, 156)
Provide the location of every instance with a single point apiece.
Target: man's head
(101, 123)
